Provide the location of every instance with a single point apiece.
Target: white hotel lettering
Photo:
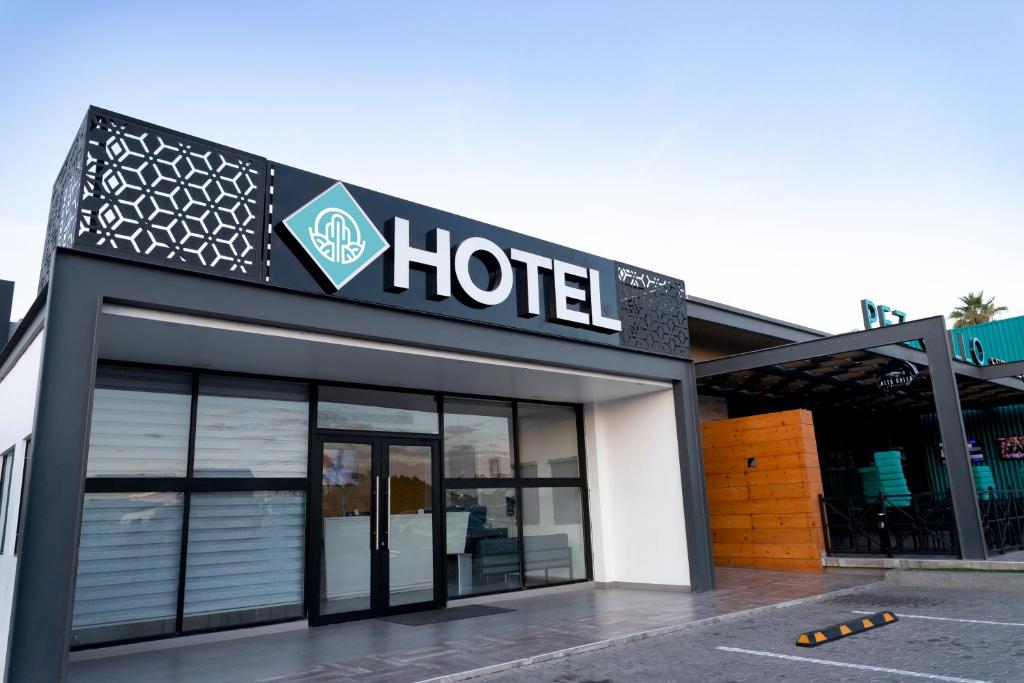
(438, 259)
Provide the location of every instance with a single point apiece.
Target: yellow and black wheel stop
(834, 632)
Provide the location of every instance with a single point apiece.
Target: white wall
(636, 500)
(18, 401)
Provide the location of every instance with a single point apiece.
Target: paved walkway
(378, 650)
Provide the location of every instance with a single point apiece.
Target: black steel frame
(886, 525)
(859, 526)
(1013, 370)
(938, 356)
(71, 305)
(378, 442)
(1002, 513)
(186, 486)
(311, 485)
(518, 483)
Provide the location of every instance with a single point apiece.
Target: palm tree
(975, 310)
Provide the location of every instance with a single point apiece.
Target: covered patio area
(894, 394)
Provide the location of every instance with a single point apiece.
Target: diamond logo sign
(336, 234)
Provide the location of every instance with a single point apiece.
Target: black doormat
(438, 616)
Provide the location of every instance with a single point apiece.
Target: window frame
(7, 459)
(19, 529)
(517, 482)
(190, 483)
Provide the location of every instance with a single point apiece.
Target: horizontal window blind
(245, 550)
(140, 423)
(247, 428)
(128, 559)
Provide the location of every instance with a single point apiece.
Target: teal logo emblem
(336, 234)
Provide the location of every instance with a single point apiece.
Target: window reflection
(251, 428)
(477, 439)
(376, 411)
(140, 423)
(345, 509)
(548, 441)
(411, 527)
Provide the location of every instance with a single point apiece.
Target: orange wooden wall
(765, 516)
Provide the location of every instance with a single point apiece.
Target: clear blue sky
(786, 157)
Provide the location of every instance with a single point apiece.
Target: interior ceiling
(139, 336)
(848, 380)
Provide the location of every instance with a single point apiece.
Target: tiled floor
(377, 650)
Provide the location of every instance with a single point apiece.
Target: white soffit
(145, 336)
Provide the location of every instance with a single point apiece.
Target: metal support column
(954, 443)
(691, 469)
(44, 589)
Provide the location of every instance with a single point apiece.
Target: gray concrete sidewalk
(378, 650)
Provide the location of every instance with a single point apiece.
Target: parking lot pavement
(942, 635)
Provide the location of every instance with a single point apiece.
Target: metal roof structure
(843, 371)
(850, 380)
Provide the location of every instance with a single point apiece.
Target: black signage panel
(133, 190)
(439, 263)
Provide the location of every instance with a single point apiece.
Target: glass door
(378, 527)
(409, 534)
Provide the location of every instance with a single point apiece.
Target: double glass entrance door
(378, 527)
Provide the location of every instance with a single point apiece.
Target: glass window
(245, 558)
(251, 428)
(553, 535)
(410, 527)
(6, 470)
(376, 411)
(548, 441)
(128, 560)
(140, 423)
(346, 503)
(21, 497)
(482, 543)
(477, 439)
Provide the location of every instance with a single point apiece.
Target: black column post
(954, 443)
(691, 470)
(6, 300)
(44, 589)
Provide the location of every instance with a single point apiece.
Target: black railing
(1002, 516)
(907, 524)
(917, 523)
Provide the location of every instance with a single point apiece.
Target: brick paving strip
(434, 663)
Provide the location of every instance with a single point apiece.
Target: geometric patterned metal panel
(142, 192)
(652, 309)
(155, 195)
(60, 227)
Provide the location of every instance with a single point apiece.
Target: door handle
(376, 521)
(387, 542)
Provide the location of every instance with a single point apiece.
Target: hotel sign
(132, 190)
(340, 240)
(360, 245)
